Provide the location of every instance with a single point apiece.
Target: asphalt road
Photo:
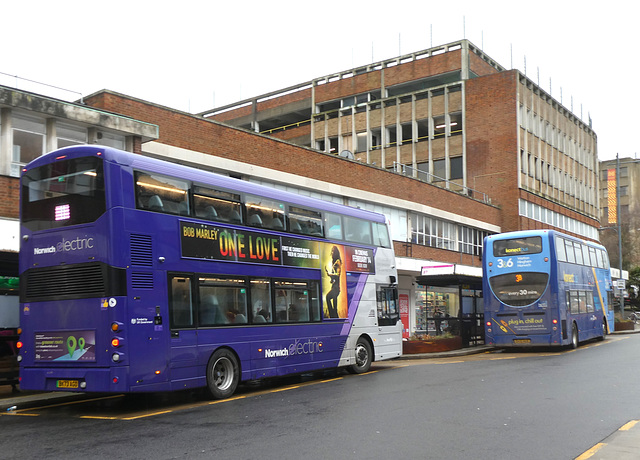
(525, 405)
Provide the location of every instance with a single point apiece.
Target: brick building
(445, 142)
(625, 174)
(31, 125)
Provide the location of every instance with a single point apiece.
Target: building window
(455, 124)
(423, 130)
(70, 135)
(439, 169)
(456, 171)
(407, 133)
(28, 142)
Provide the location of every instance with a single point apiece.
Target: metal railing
(438, 181)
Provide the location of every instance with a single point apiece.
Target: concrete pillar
(52, 135)
(6, 141)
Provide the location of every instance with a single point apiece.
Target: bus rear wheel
(363, 357)
(574, 336)
(223, 374)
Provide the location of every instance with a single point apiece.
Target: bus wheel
(363, 357)
(604, 330)
(574, 336)
(223, 374)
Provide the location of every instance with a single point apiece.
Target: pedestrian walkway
(621, 445)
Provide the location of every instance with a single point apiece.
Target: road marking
(590, 453)
(628, 426)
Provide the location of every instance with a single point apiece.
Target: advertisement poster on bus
(65, 346)
(334, 281)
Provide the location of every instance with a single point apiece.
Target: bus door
(184, 336)
(148, 329)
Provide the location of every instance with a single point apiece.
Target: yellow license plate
(67, 384)
(521, 340)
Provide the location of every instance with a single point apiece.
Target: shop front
(448, 304)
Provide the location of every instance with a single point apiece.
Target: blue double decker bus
(140, 275)
(544, 288)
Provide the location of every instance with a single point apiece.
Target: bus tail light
(554, 321)
(117, 342)
(116, 357)
(19, 344)
(116, 326)
(488, 323)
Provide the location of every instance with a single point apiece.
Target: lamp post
(620, 294)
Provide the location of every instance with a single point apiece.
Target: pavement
(620, 445)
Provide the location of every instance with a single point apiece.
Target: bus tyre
(223, 374)
(574, 336)
(363, 357)
(604, 330)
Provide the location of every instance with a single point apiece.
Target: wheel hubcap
(222, 373)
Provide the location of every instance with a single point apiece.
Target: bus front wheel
(574, 336)
(223, 374)
(363, 357)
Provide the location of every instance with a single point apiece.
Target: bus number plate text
(67, 384)
(520, 341)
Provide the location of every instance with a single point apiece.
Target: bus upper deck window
(305, 221)
(162, 194)
(217, 205)
(357, 230)
(264, 213)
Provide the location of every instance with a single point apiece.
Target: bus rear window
(67, 192)
(519, 289)
(517, 246)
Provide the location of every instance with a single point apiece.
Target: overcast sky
(195, 55)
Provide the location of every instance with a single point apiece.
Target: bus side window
(387, 300)
(217, 205)
(357, 230)
(381, 235)
(333, 224)
(181, 305)
(560, 250)
(222, 301)
(264, 213)
(571, 257)
(261, 301)
(305, 221)
(162, 194)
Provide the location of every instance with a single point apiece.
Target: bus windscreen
(68, 192)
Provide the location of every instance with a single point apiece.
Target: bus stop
(452, 303)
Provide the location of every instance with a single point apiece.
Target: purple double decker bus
(141, 275)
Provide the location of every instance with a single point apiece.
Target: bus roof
(203, 177)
